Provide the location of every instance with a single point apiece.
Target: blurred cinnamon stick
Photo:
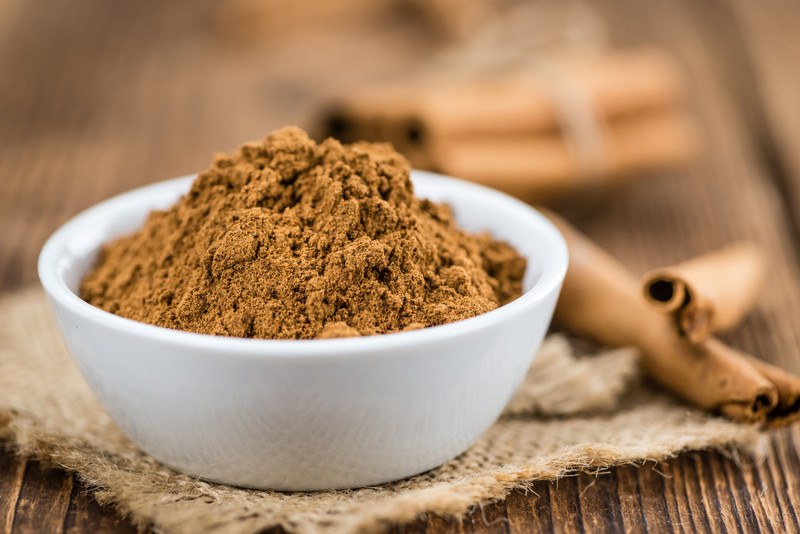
(710, 293)
(788, 388)
(540, 167)
(616, 84)
(602, 301)
(519, 131)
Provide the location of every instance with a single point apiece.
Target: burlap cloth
(570, 415)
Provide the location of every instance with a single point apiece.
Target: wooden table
(97, 97)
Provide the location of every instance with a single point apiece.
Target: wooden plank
(600, 503)
(43, 500)
(658, 502)
(442, 525)
(565, 506)
(784, 459)
(528, 511)
(520, 514)
(85, 516)
(732, 497)
(715, 496)
(12, 471)
(491, 517)
(773, 47)
(751, 481)
(629, 495)
(416, 527)
(686, 491)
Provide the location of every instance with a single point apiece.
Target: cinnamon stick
(788, 387)
(602, 301)
(541, 167)
(363, 117)
(710, 293)
(538, 133)
(615, 84)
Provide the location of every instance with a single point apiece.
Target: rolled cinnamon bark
(709, 293)
(615, 84)
(541, 167)
(788, 387)
(361, 118)
(520, 132)
(602, 301)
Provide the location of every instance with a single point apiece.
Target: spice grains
(290, 239)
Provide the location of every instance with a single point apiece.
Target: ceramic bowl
(311, 414)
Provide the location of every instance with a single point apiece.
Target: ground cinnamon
(289, 239)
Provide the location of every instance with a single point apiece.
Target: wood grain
(107, 96)
(43, 500)
(84, 514)
(12, 470)
(772, 44)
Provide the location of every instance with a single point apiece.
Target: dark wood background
(98, 97)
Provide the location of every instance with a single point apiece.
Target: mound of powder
(289, 239)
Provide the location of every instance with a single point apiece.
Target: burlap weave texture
(570, 414)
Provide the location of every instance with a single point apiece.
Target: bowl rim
(553, 273)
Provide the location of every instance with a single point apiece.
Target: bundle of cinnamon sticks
(670, 317)
(560, 123)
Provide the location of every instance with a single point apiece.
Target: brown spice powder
(288, 239)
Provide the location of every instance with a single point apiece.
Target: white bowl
(311, 414)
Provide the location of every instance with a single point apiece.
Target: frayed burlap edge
(46, 411)
(446, 499)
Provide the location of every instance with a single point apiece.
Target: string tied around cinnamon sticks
(539, 131)
(582, 128)
(603, 302)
